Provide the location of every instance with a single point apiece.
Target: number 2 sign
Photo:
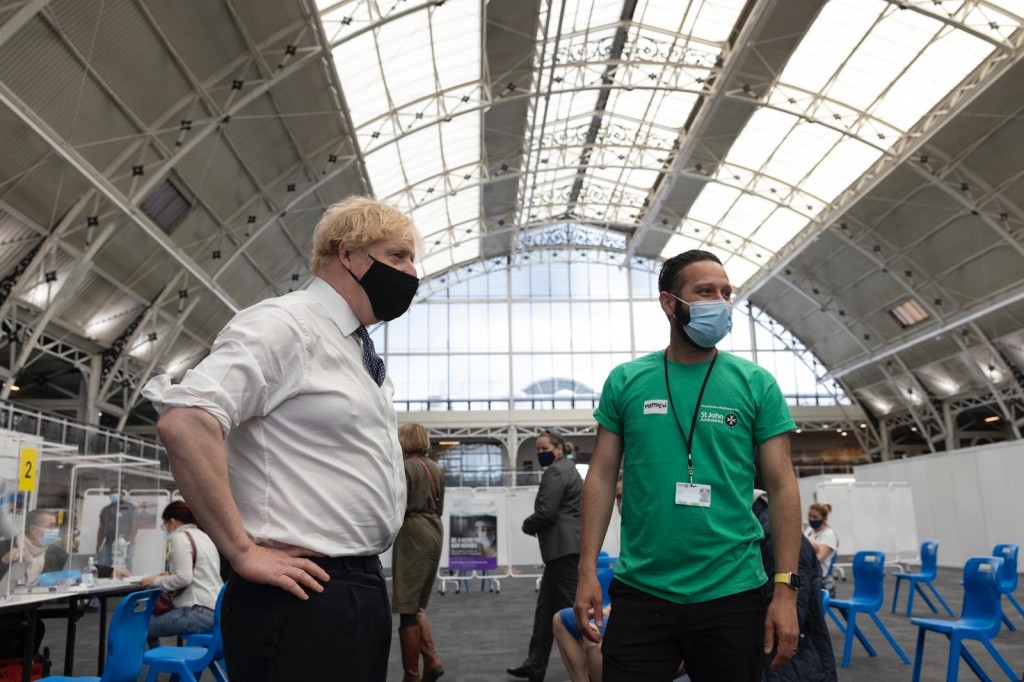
(28, 469)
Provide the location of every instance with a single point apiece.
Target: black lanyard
(696, 411)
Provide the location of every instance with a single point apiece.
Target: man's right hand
(588, 605)
(284, 567)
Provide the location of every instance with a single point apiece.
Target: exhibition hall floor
(480, 633)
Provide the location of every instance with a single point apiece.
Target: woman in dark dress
(417, 553)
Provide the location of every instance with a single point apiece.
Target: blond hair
(414, 440)
(358, 222)
(822, 509)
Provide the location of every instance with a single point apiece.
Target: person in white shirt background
(284, 442)
(823, 539)
(193, 578)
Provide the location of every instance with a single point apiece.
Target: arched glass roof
(613, 91)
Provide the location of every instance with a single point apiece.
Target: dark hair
(669, 279)
(178, 511)
(36, 515)
(556, 440)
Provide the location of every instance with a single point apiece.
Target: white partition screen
(872, 516)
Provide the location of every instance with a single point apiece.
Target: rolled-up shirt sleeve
(257, 361)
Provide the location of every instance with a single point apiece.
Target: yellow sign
(28, 470)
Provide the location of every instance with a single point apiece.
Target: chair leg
(910, 597)
(862, 638)
(896, 593)
(1009, 626)
(924, 596)
(839, 623)
(999, 659)
(219, 673)
(918, 655)
(972, 663)
(1015, 603)
(851, 626)
(888, 636)
(953, 664)
(941, 600)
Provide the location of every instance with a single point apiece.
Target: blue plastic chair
(1008, 577)
(868, 579)
(605, 573)
(929, 560)
(979, 620)
(127, 640)
(203, 650)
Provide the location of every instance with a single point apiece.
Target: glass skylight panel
(939, 68)
(779, 228)
(740, 270)
(678, 243)
(849, 160)
(713, 203)
(747, 214)
(797, 155)
(413, 87)
(838, 28)
(765, 130)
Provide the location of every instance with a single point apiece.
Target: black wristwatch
(790, 579)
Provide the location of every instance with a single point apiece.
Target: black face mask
(389, 289)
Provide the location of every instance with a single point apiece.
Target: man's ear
(345, 254)
(667, 303)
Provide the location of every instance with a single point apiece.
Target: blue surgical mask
(50, 536)
(816, 523)
(545, 458)
(115, 498)
(709, 323)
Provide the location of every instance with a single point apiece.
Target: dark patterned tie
(371, 361)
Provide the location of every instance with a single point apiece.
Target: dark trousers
(720, 640)
(557, 591)
(343, 632)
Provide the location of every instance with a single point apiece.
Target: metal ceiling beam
(155, 178)
(348, 126)
(947, 110)
(707, 107)
(986, 307)
(74, 277)
(65, 150)
(20, 18)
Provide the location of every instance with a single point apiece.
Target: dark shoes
(526, 673)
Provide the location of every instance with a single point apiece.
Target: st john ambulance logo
(731, 419)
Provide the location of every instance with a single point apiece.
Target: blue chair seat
(980, 621)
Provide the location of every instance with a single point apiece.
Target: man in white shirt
(284, 442)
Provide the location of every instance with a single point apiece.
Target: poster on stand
(473, 536)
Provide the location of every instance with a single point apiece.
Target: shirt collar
(335, 304)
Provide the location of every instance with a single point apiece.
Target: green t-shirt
(690, 554)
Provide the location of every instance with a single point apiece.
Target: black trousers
(342, 633)
(720, 640)
(557, 591)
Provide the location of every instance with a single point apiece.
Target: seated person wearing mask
(38, 547)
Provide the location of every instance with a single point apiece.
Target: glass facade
(543, 330)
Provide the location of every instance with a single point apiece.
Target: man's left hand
(781, 630)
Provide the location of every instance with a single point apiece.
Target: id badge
(693, 494)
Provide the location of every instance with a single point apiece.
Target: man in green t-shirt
(690, 425)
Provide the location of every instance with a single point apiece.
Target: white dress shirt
(312, 441)
(200, 585)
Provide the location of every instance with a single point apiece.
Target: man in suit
(556, 523)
